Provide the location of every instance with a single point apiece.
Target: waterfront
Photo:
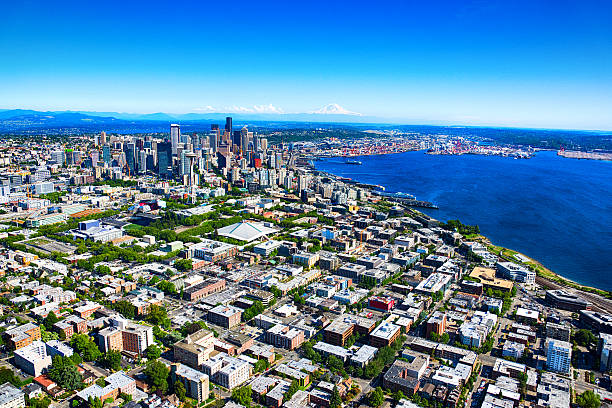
(555, 210)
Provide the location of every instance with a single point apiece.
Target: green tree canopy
(242, 396)
(85, 346)
(588, 399)
(64, 372)
(157, 373)
(153, 352)
(376, 397)
(111, 360)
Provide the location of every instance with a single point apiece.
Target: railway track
(599, 304)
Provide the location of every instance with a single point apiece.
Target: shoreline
(546, 276)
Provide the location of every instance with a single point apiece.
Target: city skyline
(542, 65)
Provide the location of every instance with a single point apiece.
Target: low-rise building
(285, 337)
(11, 396)
(195, 348)
(225, 316)
(385, 334)
(562, 299)
(33, 358)
(229, 372)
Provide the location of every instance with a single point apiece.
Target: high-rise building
(58, 157)
(212, 140)
(175, 136)
(106, 154)
(164, 159)
(130, 157)
(103, 138)
(236, 138)
(142, 161)
(228, 125)
(559, 356)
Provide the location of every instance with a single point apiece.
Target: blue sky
(510, 63)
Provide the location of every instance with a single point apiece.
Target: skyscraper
(130, 157)
(164, 160)
(175, 136)
(103, 138)
(228, 125)
(106, 154)
(212, 140)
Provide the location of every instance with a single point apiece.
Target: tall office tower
(279, 160)
(139, 144)
(185, 139)
(96, 140)
(183, 163)
(263, 142)
(150, 161)
(95, 157)
(212, 140)
(130, 157)
(245, 138)
(303, 181)
(142, 161)
(103, 138)
(195, 140)
(175, 136)
(228, 125)
(106, 154)
(164, 160)
(236, 138)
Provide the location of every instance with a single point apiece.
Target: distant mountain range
(19, 118)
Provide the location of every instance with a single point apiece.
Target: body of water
(555, 210)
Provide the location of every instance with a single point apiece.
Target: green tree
(584, 338)
(242, 395)
(334, 363)
(94, 402)
(167, 287)
(261, 365)
(153, 352)
(7, 375)
(588, 399)
(39, 402)
(65, 374)
(85, 346)
(111, 360)
(124, 307)
(158, 315)
(376, 397)
(335, 401)
(293, 388)
(183, 265)
(50, 320)
(157, 373)
(180, 391)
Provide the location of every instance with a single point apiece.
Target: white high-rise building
(559, 356)
(175, 136)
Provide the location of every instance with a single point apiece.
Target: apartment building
(196, 382)
(195, 348)
(225, 316)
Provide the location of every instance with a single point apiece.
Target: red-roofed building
(384, 304)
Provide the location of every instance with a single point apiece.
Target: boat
(357, 162)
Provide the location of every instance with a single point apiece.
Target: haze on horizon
(544, 64)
